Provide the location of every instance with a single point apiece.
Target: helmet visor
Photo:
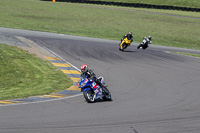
(82, 70)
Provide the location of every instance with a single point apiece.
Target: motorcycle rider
(89, 74)
(145, 43)
(129, 36)
(149, 39)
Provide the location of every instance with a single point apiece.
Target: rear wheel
(139, 46)
(145, 46)
(89, 96)
(106, 93)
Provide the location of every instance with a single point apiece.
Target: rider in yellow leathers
(127, 39)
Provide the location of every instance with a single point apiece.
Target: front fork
(121, 45)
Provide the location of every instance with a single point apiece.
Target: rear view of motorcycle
(92, 91)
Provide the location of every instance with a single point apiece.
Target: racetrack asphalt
(153, 91)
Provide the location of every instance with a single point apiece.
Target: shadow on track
(129, 51)
(99, 101)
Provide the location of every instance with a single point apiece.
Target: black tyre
(139, 46)
(124, 46)
(120, 47)
(89, 96)
(107, 95)
(145, 46)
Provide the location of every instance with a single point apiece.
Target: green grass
(23, 75)
(107, 22)
(181, 3)
(188, 54)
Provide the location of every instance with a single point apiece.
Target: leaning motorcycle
(144, 44)
(124, 43)
(92, 91)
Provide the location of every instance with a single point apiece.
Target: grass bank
(188, 54)
(180, 3)
(107, 22)
(23, 75)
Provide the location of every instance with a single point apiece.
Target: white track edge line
(41, 101)
(62, 59)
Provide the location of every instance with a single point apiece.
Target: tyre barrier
(138, 5)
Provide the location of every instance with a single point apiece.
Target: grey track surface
(153, 91)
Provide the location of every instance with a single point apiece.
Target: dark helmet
(149, 37)
(129, 35)
(84, 68)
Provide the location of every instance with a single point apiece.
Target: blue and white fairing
(88, 84)
(85, 84)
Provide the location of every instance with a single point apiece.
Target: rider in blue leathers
(89, 74)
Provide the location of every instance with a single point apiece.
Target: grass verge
(108, 22)
(22, 75)
(188, 54)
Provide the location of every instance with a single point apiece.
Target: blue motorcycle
(92, 91)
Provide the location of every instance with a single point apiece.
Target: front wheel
(145, 46)
(122, 46)
(89, 96)
(107, 95)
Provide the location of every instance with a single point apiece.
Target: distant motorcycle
(124, 43)
(92, 91)
(144, 44)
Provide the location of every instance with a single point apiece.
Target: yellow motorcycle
(126, 42)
